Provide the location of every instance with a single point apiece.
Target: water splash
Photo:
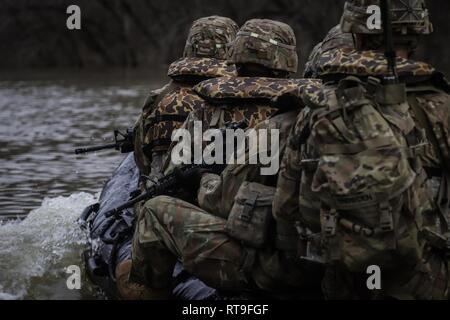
(35, 252)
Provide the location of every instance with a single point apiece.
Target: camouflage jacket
(426, 89)
(424, 84)
(341, 161)
(142, 162)
(167, 108)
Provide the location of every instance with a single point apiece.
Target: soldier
(342, 179)
(334, 40)
(263, 74)
(166, 109)
(207, 244)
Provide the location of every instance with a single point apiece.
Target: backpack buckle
(330, 224)
(249, 205)
(386, 220)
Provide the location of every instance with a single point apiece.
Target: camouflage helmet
(209, 37)
(265, 42)
(335, 39)
(409, 17)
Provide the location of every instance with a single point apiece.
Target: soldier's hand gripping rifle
(165, 186)
(123, 142)
(177, 179)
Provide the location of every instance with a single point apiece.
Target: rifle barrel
(129, 203)
(97, 148)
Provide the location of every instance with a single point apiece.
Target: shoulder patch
(245, 88)
(202, 67)
(365, 63)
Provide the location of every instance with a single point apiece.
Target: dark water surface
(42, 120)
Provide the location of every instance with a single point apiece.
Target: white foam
(35, 252)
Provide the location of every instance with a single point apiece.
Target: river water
(44, 186)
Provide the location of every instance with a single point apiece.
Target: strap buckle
(249, 205)
(330, 223)
(386, 220)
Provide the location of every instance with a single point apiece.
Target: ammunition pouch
(251, 215)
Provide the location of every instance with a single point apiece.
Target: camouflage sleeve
(186, 148)
(139, 156)
(286, 200)
(142, 160)
(149, 103)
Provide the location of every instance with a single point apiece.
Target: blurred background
(149, 33)
(62, 89)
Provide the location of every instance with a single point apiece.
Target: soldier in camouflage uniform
(334, 40)
(205, 242)
(166, 109)
(263, 74)
(312, 155)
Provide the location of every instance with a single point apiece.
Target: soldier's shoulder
(311, 93)
(201, 67)
(153, 95)
(220, 89)
(157, 92)
(367, 63)
(183, 99)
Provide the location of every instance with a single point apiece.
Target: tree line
(145, 33)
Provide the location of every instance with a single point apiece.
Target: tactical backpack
(367, 177)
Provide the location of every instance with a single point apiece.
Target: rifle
(169, 182)
(123, 142)
(390, 53)
(164, 186)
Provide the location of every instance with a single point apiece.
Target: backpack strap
(217, 118)
(329, 219)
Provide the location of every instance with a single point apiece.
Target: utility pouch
(251, 214)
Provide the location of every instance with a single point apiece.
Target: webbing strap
(249, 205)
(217, 116)
(331, 149)
(343, 129)
(166, 118)
(386, 221)
(329, 220)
